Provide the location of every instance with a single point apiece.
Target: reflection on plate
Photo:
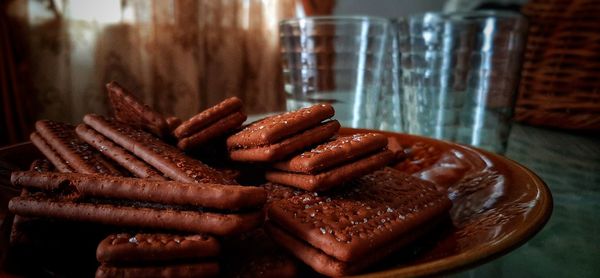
(497, 204)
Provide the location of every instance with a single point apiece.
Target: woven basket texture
(560, 80)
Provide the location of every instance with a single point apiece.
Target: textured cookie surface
(288, 146)
(171, 161)
(331, 266)
(156, 247)
(335, 152)
(128, 109)
(213, 131)
(116, 153)
(59, 163)
(275, 128)
(334, 177)
(366, 214)
(80, 156)
(135, 215)
(276, 192)
(207, 117)
(231, 197)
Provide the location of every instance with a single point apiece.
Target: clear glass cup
(389, 113)
(338, 60)
(460, 75)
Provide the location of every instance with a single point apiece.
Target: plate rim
(481, 255)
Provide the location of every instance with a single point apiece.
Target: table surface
(569, 244)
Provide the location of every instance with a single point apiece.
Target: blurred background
(177, 56)
(180, 56)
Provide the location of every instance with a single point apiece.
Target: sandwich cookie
(210, 124)
(278, 136)
(333, 163)
(349, 225)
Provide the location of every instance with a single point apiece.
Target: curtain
(178, 56)
(16, 116)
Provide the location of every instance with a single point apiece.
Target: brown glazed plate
(497, 204)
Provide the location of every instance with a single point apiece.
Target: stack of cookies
(333, 163)
(210, 124)
(154, 187)
(158, 255)
(61, 145)
(331, 202)
(133, 202)
(277, 137)
(343, 232)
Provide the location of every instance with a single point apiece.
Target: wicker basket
(560, 81)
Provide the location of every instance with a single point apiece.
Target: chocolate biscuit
(116, 153)
(80, 156)
(367, 214)
(135, 215)
(36, 241)
(17, 235)
(169, 160)
(207, 117)
(230, 197)
(128, 109)
(126, 248)
(213, 131)
(276, 192)
(290, 145)
(333, 177)
(200, 269)
(333, 153)
(331, 266)
(275, 128)
(59, 163)
(333, 163)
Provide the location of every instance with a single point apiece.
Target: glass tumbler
(337, 60)
(460, 75)
(389, 112)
